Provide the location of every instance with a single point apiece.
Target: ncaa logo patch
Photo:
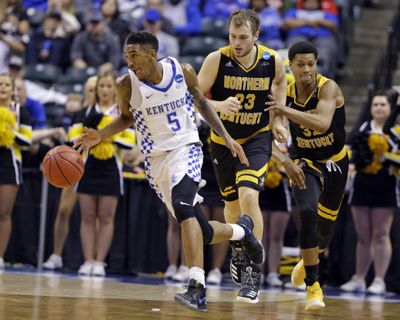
(266, 55)
(179, 78)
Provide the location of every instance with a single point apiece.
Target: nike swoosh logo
(185, 204)
(202, 300)
(149, 96)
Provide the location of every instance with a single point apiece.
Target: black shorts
(10, 168)
(276, 199)
(101, 177)
(231, 174)
(334, 175)
(374, 190)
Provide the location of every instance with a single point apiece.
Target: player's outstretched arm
(91, 137)
(322, 118)
(210, 116)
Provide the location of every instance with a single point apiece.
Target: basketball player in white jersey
(158, 97)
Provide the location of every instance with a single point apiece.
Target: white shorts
(165, 171)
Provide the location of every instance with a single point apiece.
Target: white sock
(237, 232)
(197, 274)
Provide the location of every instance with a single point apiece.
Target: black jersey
(311, 144)
(250, 85)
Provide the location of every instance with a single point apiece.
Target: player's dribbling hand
(237, 151)
(88, 139)
(229, 106)
(295, 173)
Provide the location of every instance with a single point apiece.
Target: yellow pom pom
(378, 143)
(273, 179)
(7, 126)
(103, 151)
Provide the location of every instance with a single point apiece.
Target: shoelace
(333, 166)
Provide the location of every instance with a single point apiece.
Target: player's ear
(153, 54)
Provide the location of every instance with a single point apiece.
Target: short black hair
(302, 47)
(142, 37)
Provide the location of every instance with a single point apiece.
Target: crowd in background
(52, 47)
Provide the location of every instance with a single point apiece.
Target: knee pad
(309, 228)
(182, 210)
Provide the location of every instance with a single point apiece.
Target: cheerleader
(15, 132)
(68, 196)
(102, 182)
(373, 197)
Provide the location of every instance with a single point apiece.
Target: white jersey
(163, 113)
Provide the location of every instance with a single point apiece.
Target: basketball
(63, 166)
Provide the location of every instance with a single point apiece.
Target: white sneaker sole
(246, 300)
(315, 306)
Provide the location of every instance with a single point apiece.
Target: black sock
(311, 274)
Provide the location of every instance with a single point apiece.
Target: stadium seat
(68, 87)
(215, 28)
(45, 73)
(54, 114)
(74, 75)
(195, 61)
(201, 46)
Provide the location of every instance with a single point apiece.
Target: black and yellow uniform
(323, 155)
(372, 188)
(103, 164)
(16, 132)
(250, 126)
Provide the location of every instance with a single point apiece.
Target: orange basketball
(63, 166)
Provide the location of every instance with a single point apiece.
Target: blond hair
(243, 16)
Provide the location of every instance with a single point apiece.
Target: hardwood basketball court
(53, 296)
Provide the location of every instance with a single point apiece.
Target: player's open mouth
(137, 72)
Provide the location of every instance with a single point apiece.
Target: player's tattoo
(207, 111)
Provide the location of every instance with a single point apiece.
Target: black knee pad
(309, 229)
(206, 228)
(182, 210)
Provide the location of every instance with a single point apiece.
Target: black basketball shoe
(250, 283)
(194, 297)
(252, 246)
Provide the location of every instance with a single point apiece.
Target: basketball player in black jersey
(240, 76)
(315, 109)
